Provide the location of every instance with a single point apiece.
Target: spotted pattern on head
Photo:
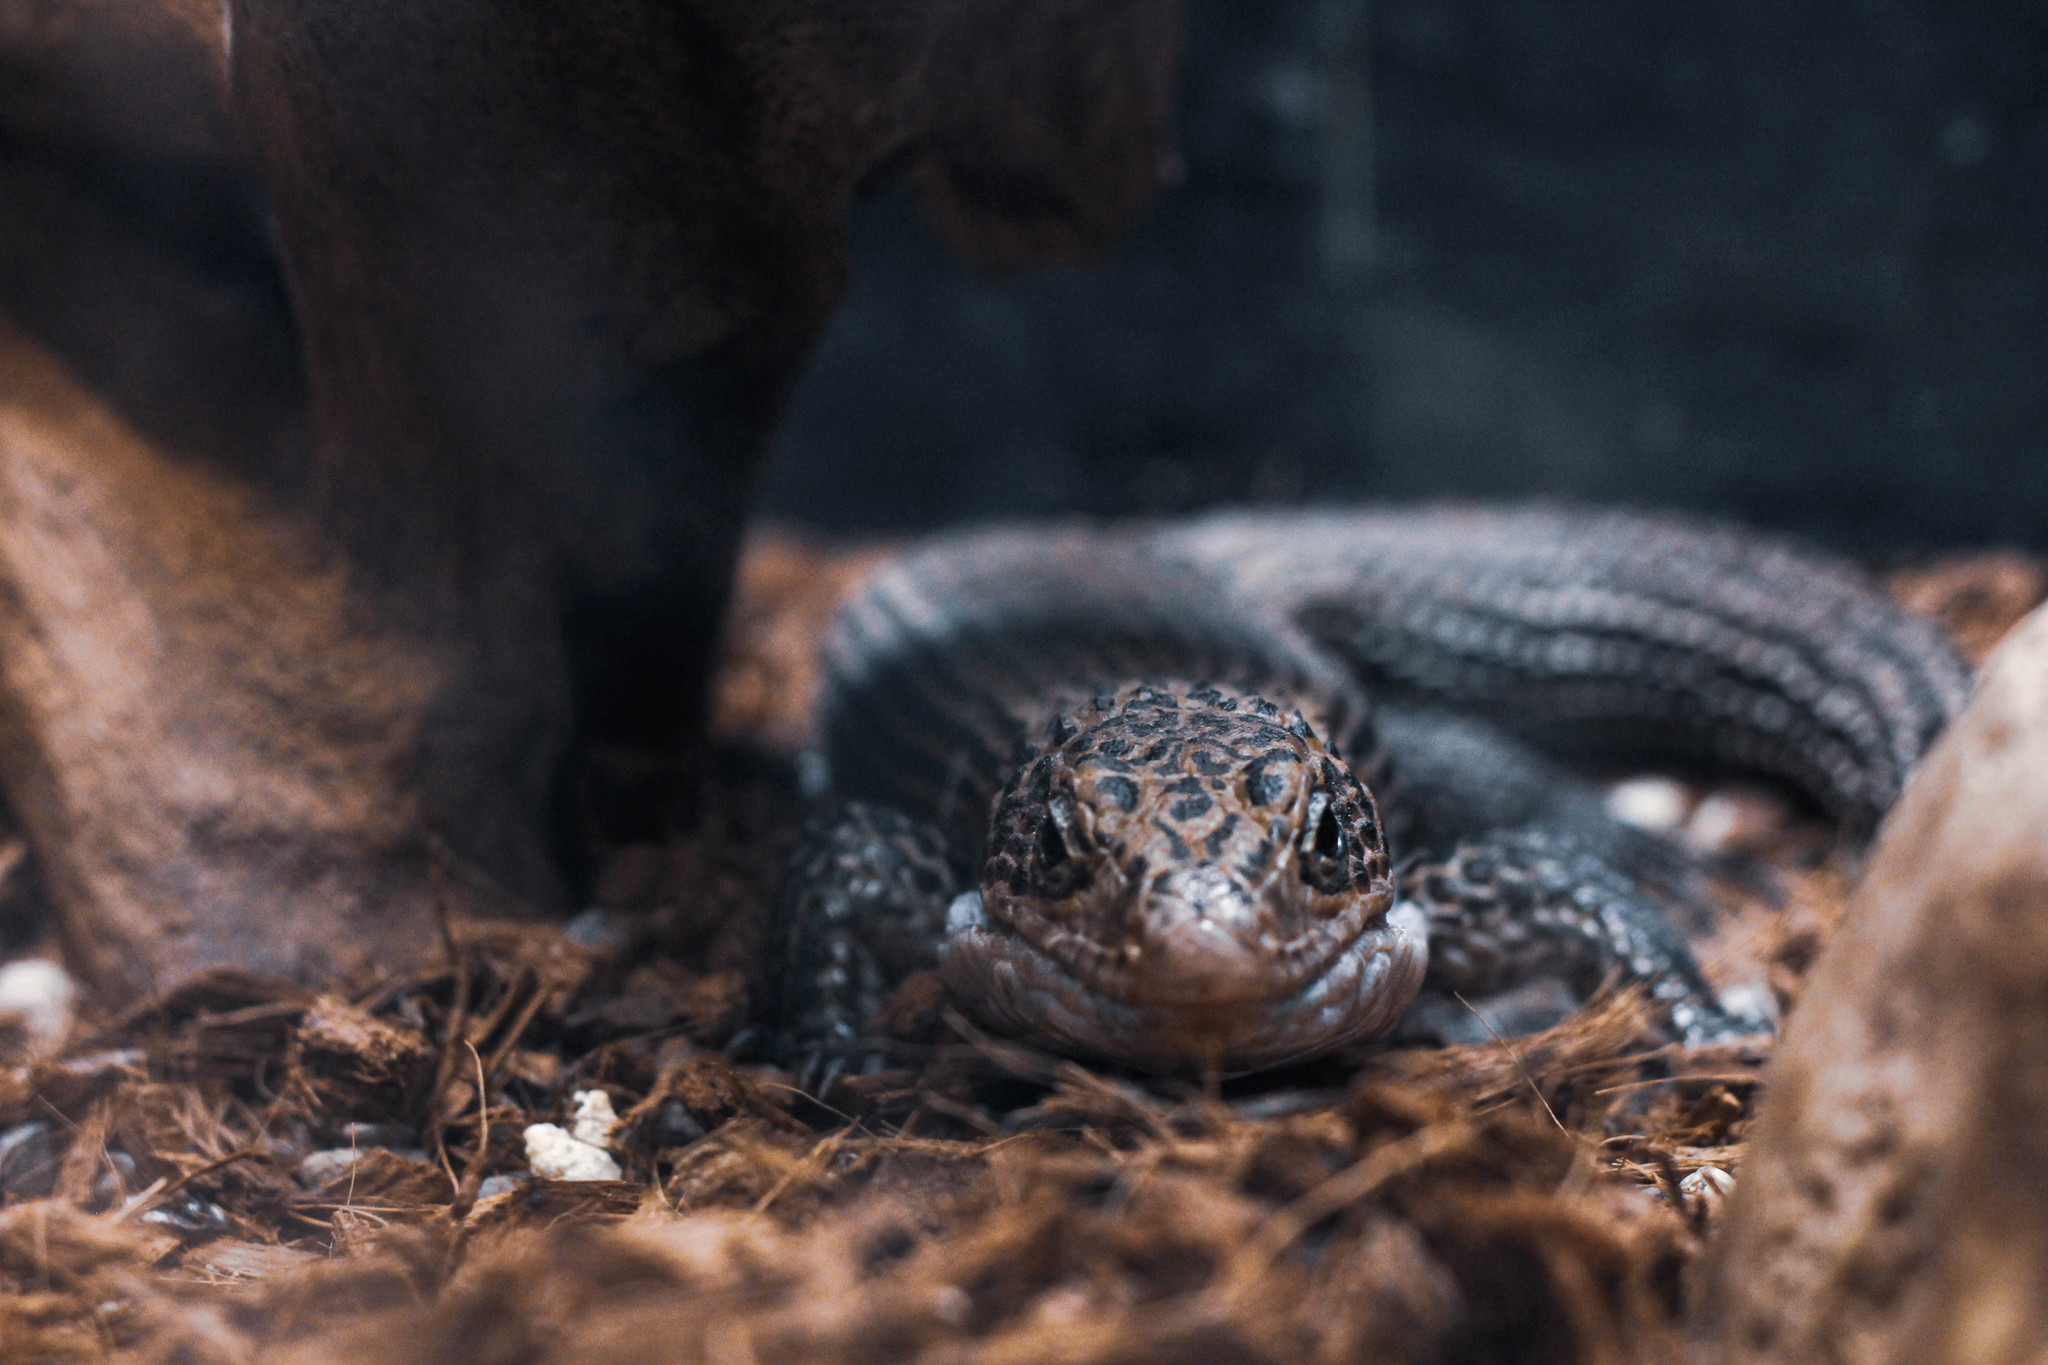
(1158, 805)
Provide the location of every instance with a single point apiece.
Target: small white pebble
(323, 1168)
(951, 1305)
(40, 994)
(1752, 1000)
(1708, 1187)
(553, 1155)
(596, 928)
(1737, 820)
(495, 1185)
(1649, 802)
(594, 1118)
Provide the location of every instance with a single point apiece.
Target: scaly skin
(1611, 635)
(1138, 745)
(1186, 871)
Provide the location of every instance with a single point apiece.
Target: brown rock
(1890, 1209)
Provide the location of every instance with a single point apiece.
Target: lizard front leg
(862, 907)
(1528, 904)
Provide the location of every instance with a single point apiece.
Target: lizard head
(1185, 876)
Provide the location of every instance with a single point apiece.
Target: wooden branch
(212, 749)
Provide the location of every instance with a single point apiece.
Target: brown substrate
(243, 1170)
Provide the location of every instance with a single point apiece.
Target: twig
(473, 1174)
(1712, 1078)
(965, 1113)
(458, 1009)
(818, 1159)
(801, 1093)
(535, 998)
(355, 1164)
(141, 1197)
(1516, 1058)
(156, 1196)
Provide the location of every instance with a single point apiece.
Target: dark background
(1787, 261)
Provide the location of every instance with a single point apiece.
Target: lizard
(1233, 792)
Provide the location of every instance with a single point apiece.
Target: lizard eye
(1323, 846)
(1329, 834)
(1058, 873)
(1052, 846)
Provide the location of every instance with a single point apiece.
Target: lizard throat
(1007, 984)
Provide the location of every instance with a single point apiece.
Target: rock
(1738, 819)
(40, 996)
(578, 1154)
(319, 1169)
(503, 1183)
(1707, 1190)
(373, 1173)
(1890, 1207)
(594, 1118)
(554, 1155)
(1649, 802)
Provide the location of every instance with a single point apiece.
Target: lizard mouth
(1008, 984)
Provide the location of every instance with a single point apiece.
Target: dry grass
(1513, 1201)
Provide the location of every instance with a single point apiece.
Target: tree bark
(554, 268)
(211, 744)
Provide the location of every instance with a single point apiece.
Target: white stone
(1737, 820)
(554, 1155)
(321, 1169)
(41, 995)
(1752, 1000)
(502, 1183)
(594, 1118)
(1649, 802)
(1707, 1188)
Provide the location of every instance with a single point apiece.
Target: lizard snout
(1200, 938)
